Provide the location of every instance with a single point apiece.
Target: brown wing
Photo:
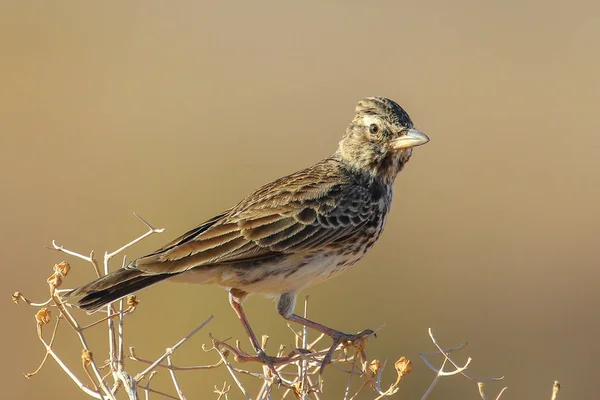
(190, 235)
(304, 211)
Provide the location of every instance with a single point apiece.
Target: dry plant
(297, 374)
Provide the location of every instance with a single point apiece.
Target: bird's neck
(383, 169)
(365, 177)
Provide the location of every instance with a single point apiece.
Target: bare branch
(174, 379)
(232, 372)
(151, 230)
(134, 357)
(91, 259)
(18, 296)
(148, 389)
(70, 374)
(555, 390)
(445, 353)
(170, 350)
(222, 393)
(458, 369)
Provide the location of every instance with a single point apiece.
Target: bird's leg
(348, 339)
(332, 333)
(285, 307)
(236, 297)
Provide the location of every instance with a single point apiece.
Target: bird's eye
(373, 128)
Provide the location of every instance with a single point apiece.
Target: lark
(298, 230)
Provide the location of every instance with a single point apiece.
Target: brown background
(178, 109)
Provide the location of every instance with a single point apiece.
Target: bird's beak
(412, 138)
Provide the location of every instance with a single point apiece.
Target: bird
(298, 230)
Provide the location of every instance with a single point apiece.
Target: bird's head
(380, 138)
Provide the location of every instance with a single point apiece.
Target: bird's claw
(261, 357)
(358, 341)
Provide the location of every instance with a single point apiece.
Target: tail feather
(113, 286)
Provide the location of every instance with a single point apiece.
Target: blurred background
(176, 110)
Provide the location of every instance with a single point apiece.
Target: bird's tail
(112, 287)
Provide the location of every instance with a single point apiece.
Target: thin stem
(555, 390)
(66, 369)
(435, 381)
(445, 353)
(170, 351)
(75, 325)
(134, 357)
(148, 389)
(150, 231)
(232, 373)
(89, 258)
(120, 334)
(174, 379)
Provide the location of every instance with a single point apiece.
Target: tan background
(178, 109)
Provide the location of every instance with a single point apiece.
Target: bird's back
(302, 228)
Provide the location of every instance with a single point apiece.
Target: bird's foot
(357, 340)
(261, 357)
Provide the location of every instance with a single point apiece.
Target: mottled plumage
(297, 230)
